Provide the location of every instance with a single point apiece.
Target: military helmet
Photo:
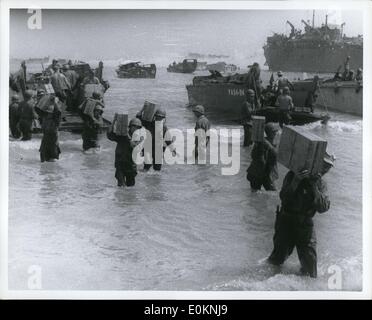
(49, 108)
(160, 113)
(40, 92)
(15, 97)
(250, 92)
(135, 122)
(279, 73)
(28, 94)
(270, 128)
(66, 66)
(96, 95)
(199, 109)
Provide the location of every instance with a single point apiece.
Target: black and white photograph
(175, 147)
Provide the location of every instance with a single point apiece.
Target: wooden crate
(300, 150)
(48, 88)
(258, 128)
(121, 124)
(149, 110)
(90, 88)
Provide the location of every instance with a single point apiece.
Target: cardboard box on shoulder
(121, 124)
(258, 128)
(301, 150)
(149, 110)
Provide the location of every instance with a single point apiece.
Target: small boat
(133, 69)
(186, 66)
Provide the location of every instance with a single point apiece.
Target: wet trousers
(49, 148)
(295, 231)
(266, 182)
(14, 130)
(124, 176)
(284, 118)
(25, 125)
(247, 135)
(90, 138)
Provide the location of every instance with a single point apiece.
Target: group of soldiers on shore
(301, 195)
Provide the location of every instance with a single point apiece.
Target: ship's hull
(345, 96)
(176, 70)
(322, 58)
(144, 73)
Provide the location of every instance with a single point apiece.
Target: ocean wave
(288, 278)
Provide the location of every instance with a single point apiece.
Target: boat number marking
(236, 92)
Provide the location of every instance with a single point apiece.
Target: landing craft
(71, 120)
(224, 95)
(133, 69)
(186, 66)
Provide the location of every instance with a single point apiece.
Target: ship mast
(313, 18)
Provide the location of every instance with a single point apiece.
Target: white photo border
(365, 6)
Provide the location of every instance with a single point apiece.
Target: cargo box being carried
(149, 110)
(301, 150)
(258, 128)
(120, 124)
(90, 88)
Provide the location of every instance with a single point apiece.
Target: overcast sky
(158, 35)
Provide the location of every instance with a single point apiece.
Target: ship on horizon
(317, 49)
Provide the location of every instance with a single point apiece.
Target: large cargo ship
(317, 49)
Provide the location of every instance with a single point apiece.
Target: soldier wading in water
(302, 196)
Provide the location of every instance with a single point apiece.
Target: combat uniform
(14, 119)
(49, 148)
(246, 114)
(92, 122)
(263, 170)
(294, 224)
(285, 104)
(27, 115)
(126, 169)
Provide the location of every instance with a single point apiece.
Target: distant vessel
(318, 49)
(38, 60)
(186, 66)
(133, 69)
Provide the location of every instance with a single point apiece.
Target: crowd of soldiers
(45, 111)
(302, 195)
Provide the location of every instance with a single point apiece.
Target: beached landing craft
(186, 66)
(225, 96)
(71, 120)
(133, 69)
(343, 96)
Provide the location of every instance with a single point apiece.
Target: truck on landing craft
(134, 69)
